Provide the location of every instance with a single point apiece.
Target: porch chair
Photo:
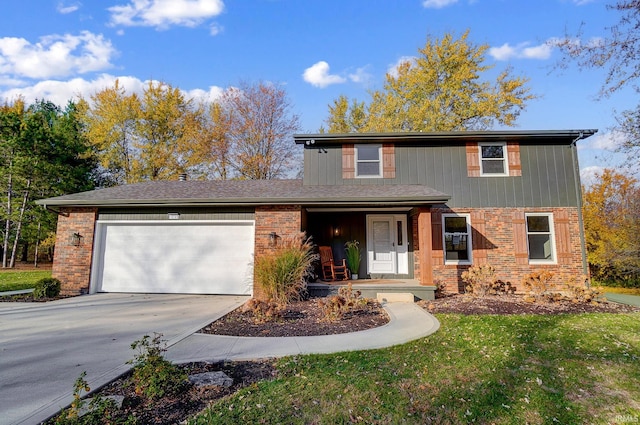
(330, 269)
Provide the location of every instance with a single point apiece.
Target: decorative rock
(219, 379)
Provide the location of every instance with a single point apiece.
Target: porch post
(424, 246)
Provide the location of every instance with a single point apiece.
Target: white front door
(387, 251)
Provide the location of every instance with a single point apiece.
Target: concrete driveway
(44, 347)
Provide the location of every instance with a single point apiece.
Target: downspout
(576, 176)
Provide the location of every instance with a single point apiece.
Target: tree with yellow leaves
(612, 224)
(154, 136)
(440, 90)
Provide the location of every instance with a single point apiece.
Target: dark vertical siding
(547, 175)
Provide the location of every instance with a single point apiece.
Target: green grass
(11, 280)
(615, 290)
(536, 369)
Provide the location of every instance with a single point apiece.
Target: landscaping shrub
(480, 280)
(154, 376)
(263, 311)
(283, 274)
(47, 287)
(538, 285)
(335, 307)
(98, 410)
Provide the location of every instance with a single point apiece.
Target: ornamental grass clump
(282, 275)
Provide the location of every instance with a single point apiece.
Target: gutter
(248, 202)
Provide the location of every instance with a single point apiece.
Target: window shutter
(562, 227)
(473, 160)
(348, 161)
(436, 237)
(478, 237)
(513, 156)
(520, 238)
(388, 161)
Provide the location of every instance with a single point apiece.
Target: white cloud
(164, 13)
(588, 175)
(209, 96)
(215, 29)
(55, 55)
(521, 51)
(393, 68)
(360, 76)
(318, 75)
(437, 4)
(606, 141)
(61, 92)
(582, 2)
(66, 9)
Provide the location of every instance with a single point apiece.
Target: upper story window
(540, 238)
(368, 160)
(493, 159)
(457, 238)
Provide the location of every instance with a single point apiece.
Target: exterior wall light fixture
(76, 239)
(273, 239)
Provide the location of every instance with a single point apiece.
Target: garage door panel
(178, 258)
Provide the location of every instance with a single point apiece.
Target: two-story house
(423, 207)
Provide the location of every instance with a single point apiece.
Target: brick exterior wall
(285, 220)
(499, 239)
(72, 263)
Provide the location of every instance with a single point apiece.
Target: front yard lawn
(12, 280)
(536, 369)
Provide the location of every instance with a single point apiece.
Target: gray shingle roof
(249, 192)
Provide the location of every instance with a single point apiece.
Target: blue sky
(57, 49)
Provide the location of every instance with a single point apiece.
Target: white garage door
(168, 257)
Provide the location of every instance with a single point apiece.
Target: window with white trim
(368, 160)
(540, 238)
(493, 159)
(457, 238)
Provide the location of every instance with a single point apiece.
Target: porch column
(424, 246)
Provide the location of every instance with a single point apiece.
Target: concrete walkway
(623, 298)
(408, 322)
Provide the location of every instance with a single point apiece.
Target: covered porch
(394, 259)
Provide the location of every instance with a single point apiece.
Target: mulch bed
(514, 304)
(302, 318)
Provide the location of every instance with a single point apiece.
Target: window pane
(538, 223)
(495, 152)
(368, 153)
(455, 225)
(540, 247)
(368, 168)
(456, 247)
(492, 166)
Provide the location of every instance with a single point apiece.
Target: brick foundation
(72, 257)
(497, 238)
